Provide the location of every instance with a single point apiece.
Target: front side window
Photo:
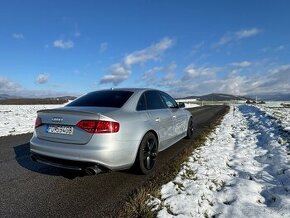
(106, 98)
(168, 100)
(153, 100)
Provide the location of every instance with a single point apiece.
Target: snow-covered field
(282, 114)
(191, 105)
(18, 119)
(243, 170)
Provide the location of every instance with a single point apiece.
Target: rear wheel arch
(154, 132)
(137, 165)
(156, 135)
(190, 128)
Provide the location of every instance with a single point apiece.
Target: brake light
(99, 126)
(38, 122)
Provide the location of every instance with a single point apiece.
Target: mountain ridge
(16, 100)
(218, 97)
(229, 97)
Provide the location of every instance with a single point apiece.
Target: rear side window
(107, 98)
(141, 106)
(153, 100)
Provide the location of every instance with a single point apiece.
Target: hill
(218, 97)
(5, 96)
(273, 97)
(13, 100)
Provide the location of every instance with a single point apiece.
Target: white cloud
(14, 89)
(9, 87)
(246, 33)
(59, 43)
(103, 47)
(42, 78)
(236, 36)
(169, 72)
(191, 71)
(151, 73)
(273, 81)
(231, 84)
(241, 64)
(18, 36)
(152, 52)
(276, 80)
(239, 78)
(121, 71)
(224, 40)
(118, 73)
(160, 76)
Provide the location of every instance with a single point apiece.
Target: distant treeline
(31, 101)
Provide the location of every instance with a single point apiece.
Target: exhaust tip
(93, 170)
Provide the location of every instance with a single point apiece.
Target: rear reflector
(38, 122)
(98, 126)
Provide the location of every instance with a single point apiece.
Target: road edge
(136, 205)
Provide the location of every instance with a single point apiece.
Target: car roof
(132, 89)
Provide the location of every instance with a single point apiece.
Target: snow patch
(241, 171)
(19, 119)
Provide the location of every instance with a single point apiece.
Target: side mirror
(181, 105)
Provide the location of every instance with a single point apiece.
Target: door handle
(157, 119)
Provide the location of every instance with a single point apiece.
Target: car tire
(190, 129)
(147, 154)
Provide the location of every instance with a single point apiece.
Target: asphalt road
(29, 189)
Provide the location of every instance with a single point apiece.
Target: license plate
(66, 130)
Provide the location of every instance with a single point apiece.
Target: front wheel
(190, 129)
(147, 154)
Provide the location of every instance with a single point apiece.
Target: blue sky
(52, 48)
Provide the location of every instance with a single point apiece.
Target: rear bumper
(116, 155)
(56, 162)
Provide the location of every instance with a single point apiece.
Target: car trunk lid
(59, 125)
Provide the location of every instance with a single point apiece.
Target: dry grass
(136, 205)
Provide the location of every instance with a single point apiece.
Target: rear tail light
(98, 126)
(38, 122)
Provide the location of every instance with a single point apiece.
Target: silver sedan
(110, 130)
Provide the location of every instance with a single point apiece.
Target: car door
(160, 115)
(178, 115)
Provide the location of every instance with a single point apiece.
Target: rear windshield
(108, 98)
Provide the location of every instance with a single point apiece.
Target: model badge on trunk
(57, 119)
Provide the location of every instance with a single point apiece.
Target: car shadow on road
(22, 156)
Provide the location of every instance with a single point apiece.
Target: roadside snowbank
(18, 119)
(241, 171)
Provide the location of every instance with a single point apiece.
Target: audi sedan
(110, 130)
